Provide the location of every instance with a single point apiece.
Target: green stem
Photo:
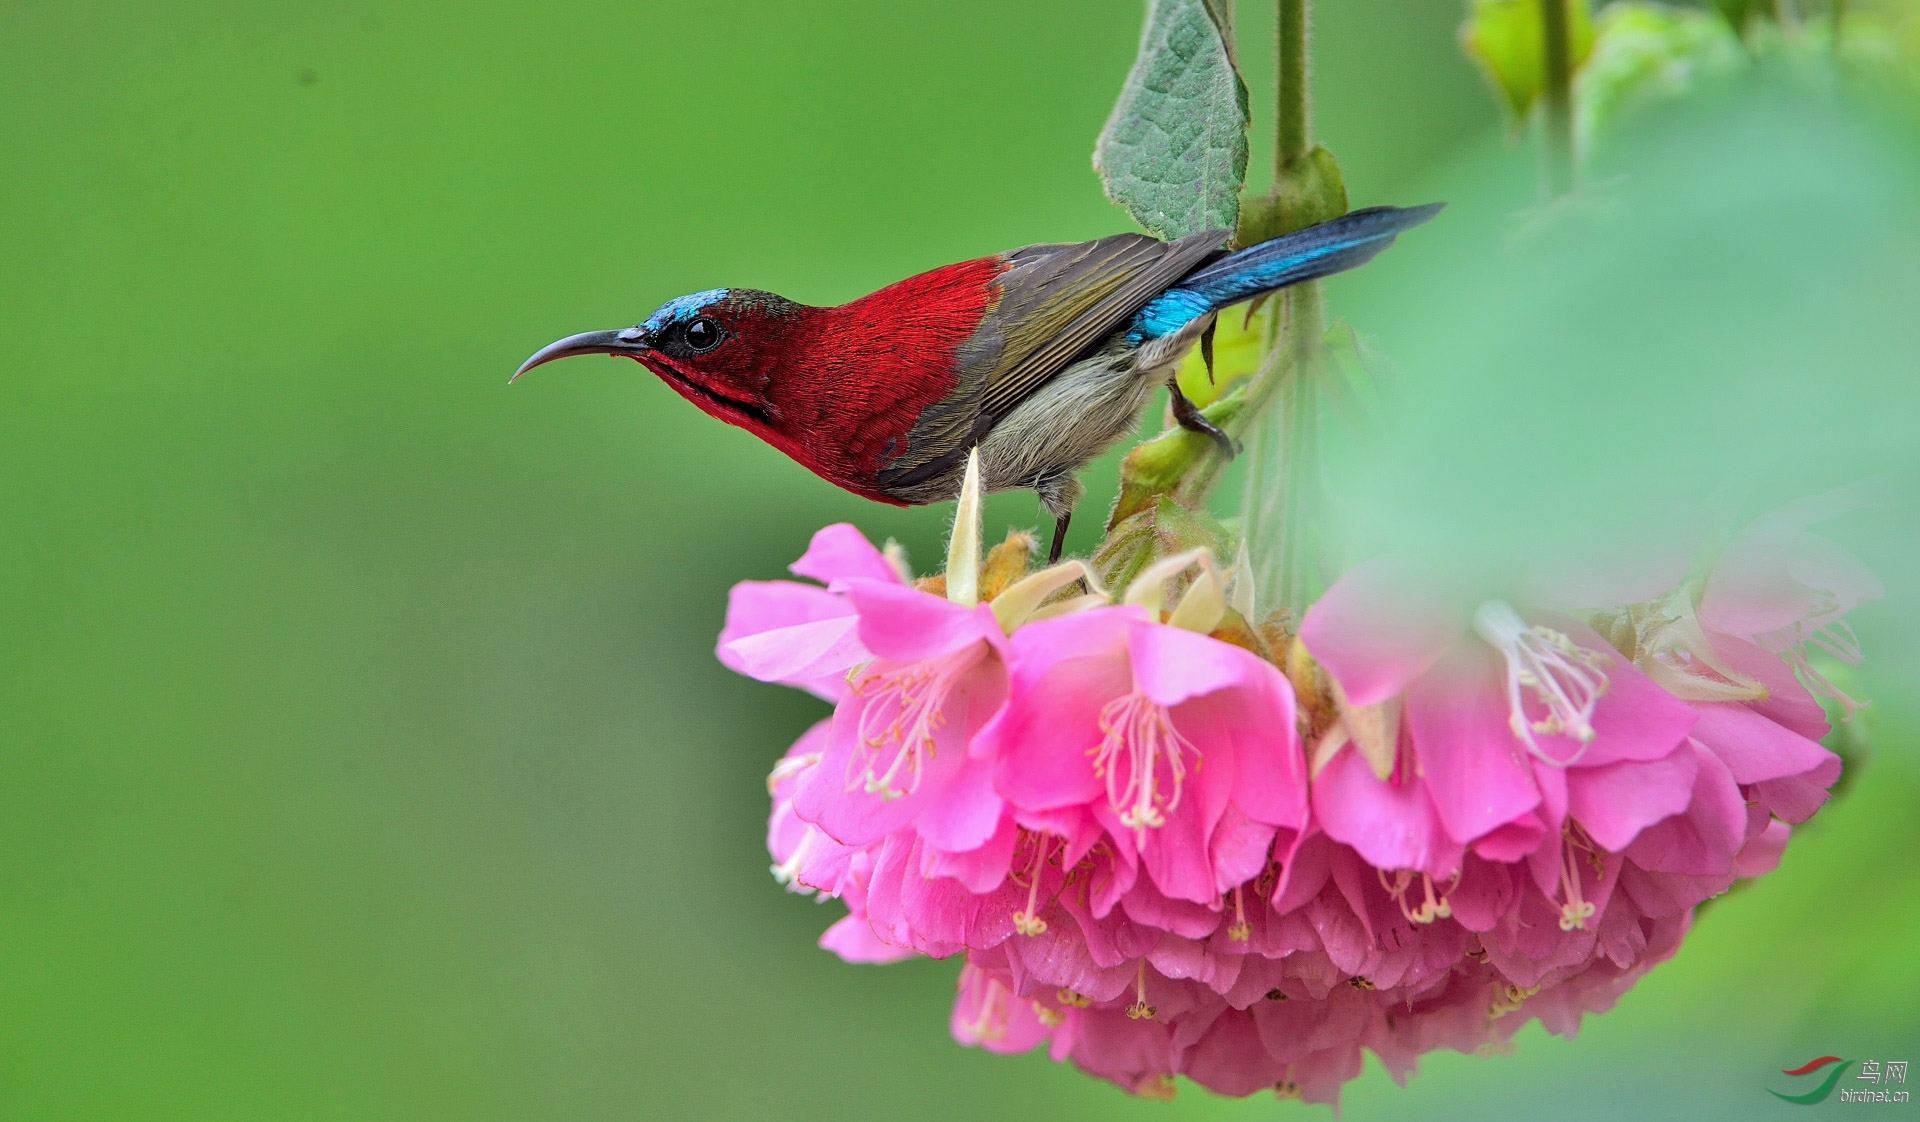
(1290, 88)
(1279, 414)
(1557, 29)
(1283, 455)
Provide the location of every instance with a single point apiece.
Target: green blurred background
(362, 754)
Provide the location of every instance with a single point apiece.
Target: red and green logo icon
(1837, 1068)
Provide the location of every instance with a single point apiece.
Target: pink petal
(1753, 747)
(1795, 797)
(1512, 841)
(1171, 665)
(1230, 1058)
(1762, 855)
(1787, 702)
(965, 814)
(1254, 725)
(1379, 627)
(1062, 672)
(779, 631)
(841, 553)
(1485, 893)
(906, 625)
(852, 938)
(1614, 803)
(1239, 851)
(1635, 719)
(1303, 870)
(1474, 769)
(1391, 825)
(1704, 840)
(981, 869)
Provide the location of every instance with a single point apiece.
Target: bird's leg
(1190, 418)
(1059, 537)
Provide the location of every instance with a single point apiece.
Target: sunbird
(1042, 357)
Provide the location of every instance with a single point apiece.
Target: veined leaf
(1174, 152)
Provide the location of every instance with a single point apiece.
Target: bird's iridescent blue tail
(1318, 251)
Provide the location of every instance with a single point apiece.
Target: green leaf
(1174, 152)
(1508, 39)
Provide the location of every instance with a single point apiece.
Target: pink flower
(1179, 747)
(1502, 721)
(898, 749)
(801, 634)
(988, 1015)
(1508, 815)
(807, 859)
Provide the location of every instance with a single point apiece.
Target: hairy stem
(1290, 102)
(1557, 49)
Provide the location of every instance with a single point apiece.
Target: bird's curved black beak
(625, 341)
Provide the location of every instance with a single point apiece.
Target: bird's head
(718, 349)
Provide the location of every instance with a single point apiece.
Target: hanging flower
(1105, 805)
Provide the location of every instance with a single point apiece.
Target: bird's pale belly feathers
(1077, 415)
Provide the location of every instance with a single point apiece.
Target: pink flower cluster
(1162, 855)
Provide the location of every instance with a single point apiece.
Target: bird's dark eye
(703, 334)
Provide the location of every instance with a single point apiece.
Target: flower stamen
(1241, 930)
(1144, 760)
(903, 710)
(1435, 905)
(1824, 631)
(1140, 1010)
(1562, 676)
(1029, 921)
(1577, 910)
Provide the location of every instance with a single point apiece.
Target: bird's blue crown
(683, 308)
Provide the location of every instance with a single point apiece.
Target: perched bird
(1041, 357)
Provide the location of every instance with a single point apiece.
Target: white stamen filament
(1435, 905)
(790, 766)
(1577, 910)
(1029, 921)
(1140, 1010)
(1143, 758)
(902, 710)
(1564, 677)
(1823, 631)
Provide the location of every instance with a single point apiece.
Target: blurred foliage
(1504, 37)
